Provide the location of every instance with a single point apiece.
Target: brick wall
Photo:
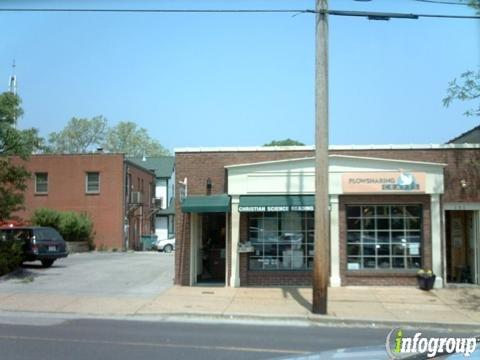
(140, 217)
(197, 167)
(461, 164)
(66, 191)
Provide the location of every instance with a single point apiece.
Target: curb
(309, 320)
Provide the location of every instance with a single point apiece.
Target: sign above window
(276, 203)
(383, 182)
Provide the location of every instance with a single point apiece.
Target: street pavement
(117, 340)
(141, 285)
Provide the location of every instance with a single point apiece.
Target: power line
(443, 2)
(366, 14)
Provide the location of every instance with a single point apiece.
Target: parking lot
(139, 275)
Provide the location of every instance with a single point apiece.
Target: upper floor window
(41, 183)
(93, 182)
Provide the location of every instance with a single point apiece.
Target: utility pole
(322, 218)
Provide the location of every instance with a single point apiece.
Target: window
(93, 182)
(382, 237)
(41, 183)
(281, 240)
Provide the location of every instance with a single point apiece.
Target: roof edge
(426, 163)
(331, 147)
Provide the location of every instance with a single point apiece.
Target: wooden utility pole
(322, 218)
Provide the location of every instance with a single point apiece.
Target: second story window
(41, 183)
(93, 182)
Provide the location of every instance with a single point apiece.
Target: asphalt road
(128, 274)
(117, 340)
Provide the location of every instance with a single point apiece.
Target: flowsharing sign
(401, 345)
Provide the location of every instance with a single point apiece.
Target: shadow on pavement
(299, 298)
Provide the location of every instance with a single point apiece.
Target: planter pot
(426, 283)
(77, 246)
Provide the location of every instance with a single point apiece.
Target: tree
(80, 135)
(13, 142)
(467, 89)
(126, 137)
(286, 142)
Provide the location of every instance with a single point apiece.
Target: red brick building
(113, 191)
(245, 215)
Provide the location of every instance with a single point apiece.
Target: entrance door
(463, 246)
(212, 248)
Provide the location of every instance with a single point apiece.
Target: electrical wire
(444, 2)
(369, 15)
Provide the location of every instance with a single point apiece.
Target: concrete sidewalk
(387, 305)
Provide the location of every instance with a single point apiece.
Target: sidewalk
(350, 305)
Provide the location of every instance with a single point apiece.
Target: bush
(11, 255)
(75, 226)
(46, 217)
(71, 225)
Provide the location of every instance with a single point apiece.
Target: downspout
(124, 213)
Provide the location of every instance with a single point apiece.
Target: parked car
(165, 245)
(39, 243)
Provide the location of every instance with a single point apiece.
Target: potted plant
(425, 279)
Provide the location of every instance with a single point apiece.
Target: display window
(382, 237)
(281, 240)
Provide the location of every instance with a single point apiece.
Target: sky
(240, 79)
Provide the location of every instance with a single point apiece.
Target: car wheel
(47, 263)
(168, 248)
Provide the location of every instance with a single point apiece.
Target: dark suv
(39, 243)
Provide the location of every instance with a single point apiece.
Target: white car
(165, 245)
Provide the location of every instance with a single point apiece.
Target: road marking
(150, 344)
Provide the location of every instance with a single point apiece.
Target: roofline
(94, 153)
(338, 156)
(463, 134)
(131, 163)
(331, 147)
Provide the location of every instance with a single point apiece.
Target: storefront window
(281, 240)
(382, 237)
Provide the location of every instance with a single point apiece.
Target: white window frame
(36, 182)
(86, 182)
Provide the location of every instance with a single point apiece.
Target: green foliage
(10, 109)
(75, 226)
(46, 217)
(126, 137)
(12, 185)
(474, 4)
(71, 225)
(80, 135)
(11, 255)
(13, 142)
(286, 142)
(467, 88)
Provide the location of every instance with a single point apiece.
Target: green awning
(281, 203)
(206, 204)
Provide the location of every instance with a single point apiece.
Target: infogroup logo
(401, 346)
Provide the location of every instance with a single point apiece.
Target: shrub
(71, 225)
(11, 255)
(46, 217)
(75, 226)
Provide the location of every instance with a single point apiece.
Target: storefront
(386, 222)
